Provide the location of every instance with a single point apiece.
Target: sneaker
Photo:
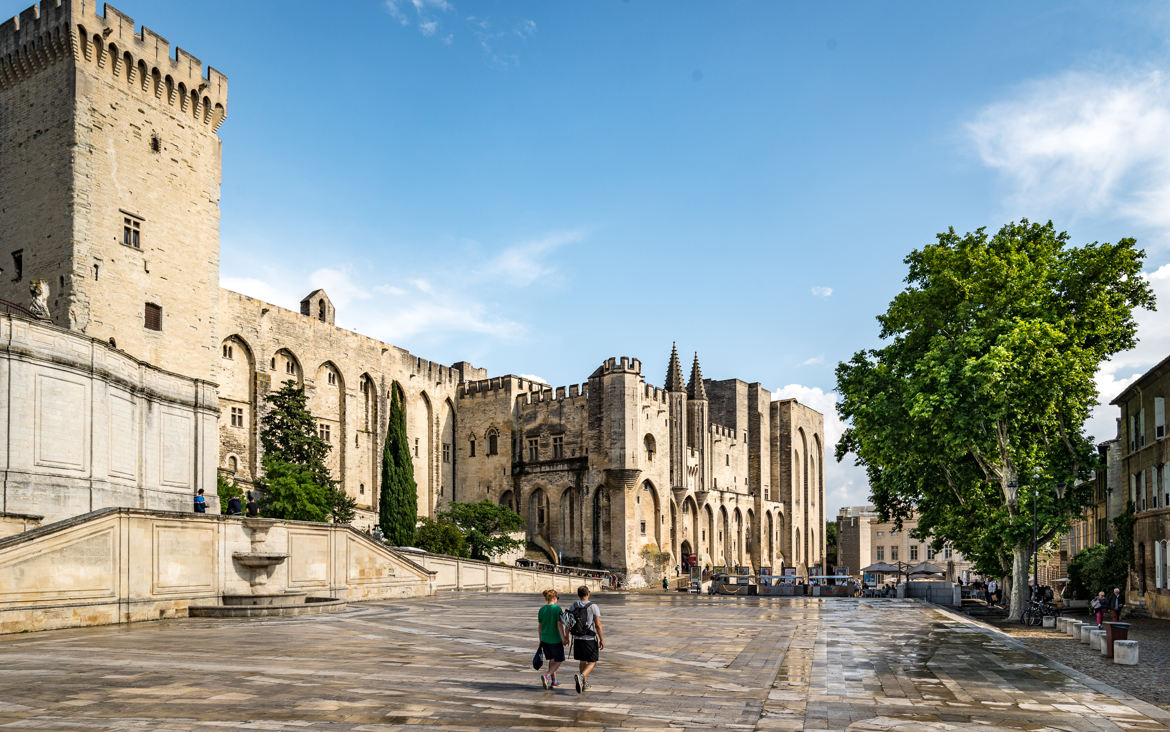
(585, 685)
(578, 682)
(554, 683)
(544, 680)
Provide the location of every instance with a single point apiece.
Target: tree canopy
(486, 526)
(974, 407)
(297, 483)
(398, 494)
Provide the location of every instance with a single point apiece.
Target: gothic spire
(695, 389)
(674, 380)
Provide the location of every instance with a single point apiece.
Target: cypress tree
(398, 498)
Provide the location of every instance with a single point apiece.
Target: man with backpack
(588, 639)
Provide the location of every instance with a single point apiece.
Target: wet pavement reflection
(463, 662)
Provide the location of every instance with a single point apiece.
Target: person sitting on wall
(200, 502)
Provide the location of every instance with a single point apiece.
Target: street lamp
(1060, 488)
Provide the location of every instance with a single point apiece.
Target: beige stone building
(109, 208)
(872, 540)
(1145, 454)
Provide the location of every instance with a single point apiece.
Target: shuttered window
(153, 316)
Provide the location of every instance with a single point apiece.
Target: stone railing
(454, 574)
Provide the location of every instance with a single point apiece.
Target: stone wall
(84, 426)
(125, 565)
(348, 379)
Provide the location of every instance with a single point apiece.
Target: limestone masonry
(109, 197)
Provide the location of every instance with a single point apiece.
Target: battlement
(717, 430)
(613, 365)
(433, 373)
(55, 29)
(574, 392)
(654, 394)
(491, 387)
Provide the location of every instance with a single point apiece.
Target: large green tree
(297, 483)
(398, 497)
(973, 409)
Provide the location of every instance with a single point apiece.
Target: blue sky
(536, 186)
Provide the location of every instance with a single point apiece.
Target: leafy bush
(440, 536)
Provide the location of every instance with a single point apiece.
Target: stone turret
(697, 421)
(676, 394)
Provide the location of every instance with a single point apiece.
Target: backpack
(568, 619)
(581, 626)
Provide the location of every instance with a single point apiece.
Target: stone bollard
(1125, 652)
(1074, 629)
(1104, 646)
(1086, 628)
(1049, 621)
(1062, 624)
(1096, 639)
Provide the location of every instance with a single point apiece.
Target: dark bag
(538, 659)
(580, 624)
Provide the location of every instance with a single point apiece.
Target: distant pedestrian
(200, 502)
(677, 570)
(588, 640)
(1098, 607)
(553, 637)
(665, 584)
(992, 590)
(253, 508)
(234, 508)
(1116, 602)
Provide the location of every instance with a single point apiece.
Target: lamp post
(1036, 549)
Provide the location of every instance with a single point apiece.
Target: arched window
(233, 464)
(650, 447)
(321, 310)
(493, 438)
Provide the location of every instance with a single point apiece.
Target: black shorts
(553, 651)
(585, 649)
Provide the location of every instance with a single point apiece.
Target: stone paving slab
(462, 662)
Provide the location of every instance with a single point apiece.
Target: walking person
(200, 502)
(553, 637)
(588, 638)
(992, 589)
(1098, 607)
(1116, 602)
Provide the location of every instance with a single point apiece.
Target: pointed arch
(421, 433)
(238, 405)
(447, 450)
(286, 366)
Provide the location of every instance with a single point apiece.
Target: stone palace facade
(140, 378)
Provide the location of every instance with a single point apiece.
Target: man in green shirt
(553, 637)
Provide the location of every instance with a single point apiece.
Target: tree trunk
(1019, 588)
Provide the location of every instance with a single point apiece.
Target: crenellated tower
(116, 205)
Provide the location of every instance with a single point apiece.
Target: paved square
(463, 662)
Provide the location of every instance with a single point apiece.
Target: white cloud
(845, 483)
(526, 262)
(1153, 346)
(429, 27)
(817, 360)
(455, 298)
(1084, 143)
(821, 291)
(526, 28)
